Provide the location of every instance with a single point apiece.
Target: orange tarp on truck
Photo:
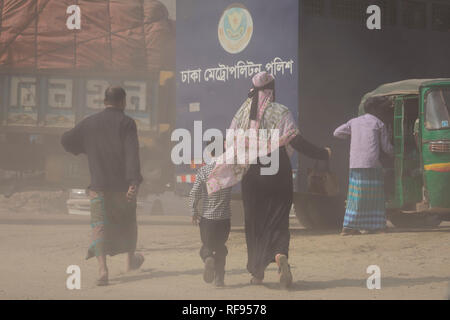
(121, 35)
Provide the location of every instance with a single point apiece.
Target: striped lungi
(113, 222)
(366, 208)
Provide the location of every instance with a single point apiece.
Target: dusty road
(36, 249)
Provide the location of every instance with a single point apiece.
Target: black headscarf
(254, 94)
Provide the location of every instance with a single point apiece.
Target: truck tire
(411, 220)
(317, 212)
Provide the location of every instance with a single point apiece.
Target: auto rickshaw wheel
(414, 220)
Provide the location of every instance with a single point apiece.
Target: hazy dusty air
(188, 68)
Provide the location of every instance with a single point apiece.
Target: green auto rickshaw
(418, 179)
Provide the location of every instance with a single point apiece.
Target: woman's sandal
(137, 261)
(284, 269)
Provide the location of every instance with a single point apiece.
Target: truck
(52, 76)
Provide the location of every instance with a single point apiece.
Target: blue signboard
(221, 45)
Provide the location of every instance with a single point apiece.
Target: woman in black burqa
(267, 199)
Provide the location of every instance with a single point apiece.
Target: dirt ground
(37, 248)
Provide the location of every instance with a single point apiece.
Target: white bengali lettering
(188, 75)
(242, 69)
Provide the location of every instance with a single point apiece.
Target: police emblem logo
(235, 28)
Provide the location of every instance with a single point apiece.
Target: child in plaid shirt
(214, 222)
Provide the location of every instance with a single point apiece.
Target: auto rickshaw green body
(419, 124)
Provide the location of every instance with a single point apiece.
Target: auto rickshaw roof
(404, 87)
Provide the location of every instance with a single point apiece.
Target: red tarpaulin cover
(120, 35)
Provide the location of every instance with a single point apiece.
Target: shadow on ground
(146, 274)
(340, 283)
(301, 285)
(356, 283)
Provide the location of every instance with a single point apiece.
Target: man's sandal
(350, 232)
(256, 281)
(103, 280)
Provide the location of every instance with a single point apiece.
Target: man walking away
(366, 209)
(109, 139)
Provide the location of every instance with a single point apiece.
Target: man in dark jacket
(109, 139)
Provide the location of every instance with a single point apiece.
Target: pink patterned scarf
(257, 112)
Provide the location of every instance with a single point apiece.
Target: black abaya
(267, 201)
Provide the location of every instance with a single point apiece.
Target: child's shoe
(219, 280)
(209, 273)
